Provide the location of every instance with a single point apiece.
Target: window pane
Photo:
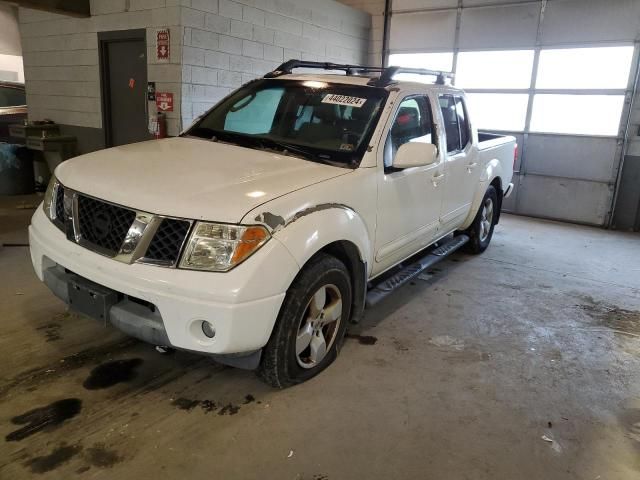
(412, 124)
(462, 122)
(432, 61)
(11, 97)
(254, 113)
(498, 111)
(602, 67)
(503, 69)
(450, 117)
(581, 114)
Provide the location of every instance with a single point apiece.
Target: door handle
(436, 179)
(471, 166)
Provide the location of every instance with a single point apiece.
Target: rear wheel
(311, 324)
(481, 230)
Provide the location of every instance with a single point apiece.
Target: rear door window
(450, 119)
(463, 122)
(456, 122)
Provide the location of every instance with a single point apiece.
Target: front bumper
(242, 304)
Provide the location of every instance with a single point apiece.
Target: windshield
(316, 120)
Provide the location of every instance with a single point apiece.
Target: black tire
(281, 366)
(480, 232)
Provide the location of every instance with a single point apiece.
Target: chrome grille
(102, 224)
(59, 207)
(166, 244)
(122, 233)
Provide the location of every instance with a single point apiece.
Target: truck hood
(191, 178)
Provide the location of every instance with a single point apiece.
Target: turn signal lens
(252, 239)
(218, 247)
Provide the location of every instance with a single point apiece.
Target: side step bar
(394, 282)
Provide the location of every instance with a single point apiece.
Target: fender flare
(491, 171)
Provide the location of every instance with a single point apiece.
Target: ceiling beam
(74, 8)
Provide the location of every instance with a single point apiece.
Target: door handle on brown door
(436, 179)
(471, 166)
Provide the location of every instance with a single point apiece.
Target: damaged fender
(307, 231)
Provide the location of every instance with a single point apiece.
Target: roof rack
(387, 75)
(385, 78)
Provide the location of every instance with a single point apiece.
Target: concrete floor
(473, 365)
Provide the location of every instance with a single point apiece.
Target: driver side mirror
(415, 154)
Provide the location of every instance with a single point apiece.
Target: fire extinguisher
(161, 126)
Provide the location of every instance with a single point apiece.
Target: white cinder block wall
(216, 45)
(375, 8)
(227, 43)
(60, 53)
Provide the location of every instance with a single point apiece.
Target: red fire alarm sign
(164, 101)
(162, 45)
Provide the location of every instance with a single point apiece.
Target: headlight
(48, 198)
(218, 247)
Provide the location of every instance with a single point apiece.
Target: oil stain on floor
(618, 319)
(111, 373)
(58, 456)
(102, 457)
(42, 418)
(362, 339)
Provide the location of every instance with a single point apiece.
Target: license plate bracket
(90, 298)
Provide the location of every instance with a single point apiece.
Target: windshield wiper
(286, 147)
(263, 143)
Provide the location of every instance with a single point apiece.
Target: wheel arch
(497, 184)
(347, 252)
(491, 176)
(336, 230)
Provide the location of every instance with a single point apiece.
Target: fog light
(208, 329)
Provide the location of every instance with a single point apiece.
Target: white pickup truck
(259, 233)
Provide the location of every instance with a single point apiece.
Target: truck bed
(486, 139)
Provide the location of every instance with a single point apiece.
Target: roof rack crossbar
(386, 74)
(288, 66)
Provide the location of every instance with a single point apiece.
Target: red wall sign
(164, 101)
(162, 45)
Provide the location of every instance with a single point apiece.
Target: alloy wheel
(319, 326)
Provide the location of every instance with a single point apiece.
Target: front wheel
(481, 230)
(311, 324)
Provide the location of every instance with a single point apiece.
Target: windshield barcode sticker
(344, 100)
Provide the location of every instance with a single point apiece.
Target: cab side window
(413, 123)
(463, 123)
(456, 123)
(450, 119)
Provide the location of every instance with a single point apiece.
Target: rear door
(462, 169)
(408, 199)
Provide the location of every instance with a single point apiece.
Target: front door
(124, 82)
(409, 199)
(462, 169)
